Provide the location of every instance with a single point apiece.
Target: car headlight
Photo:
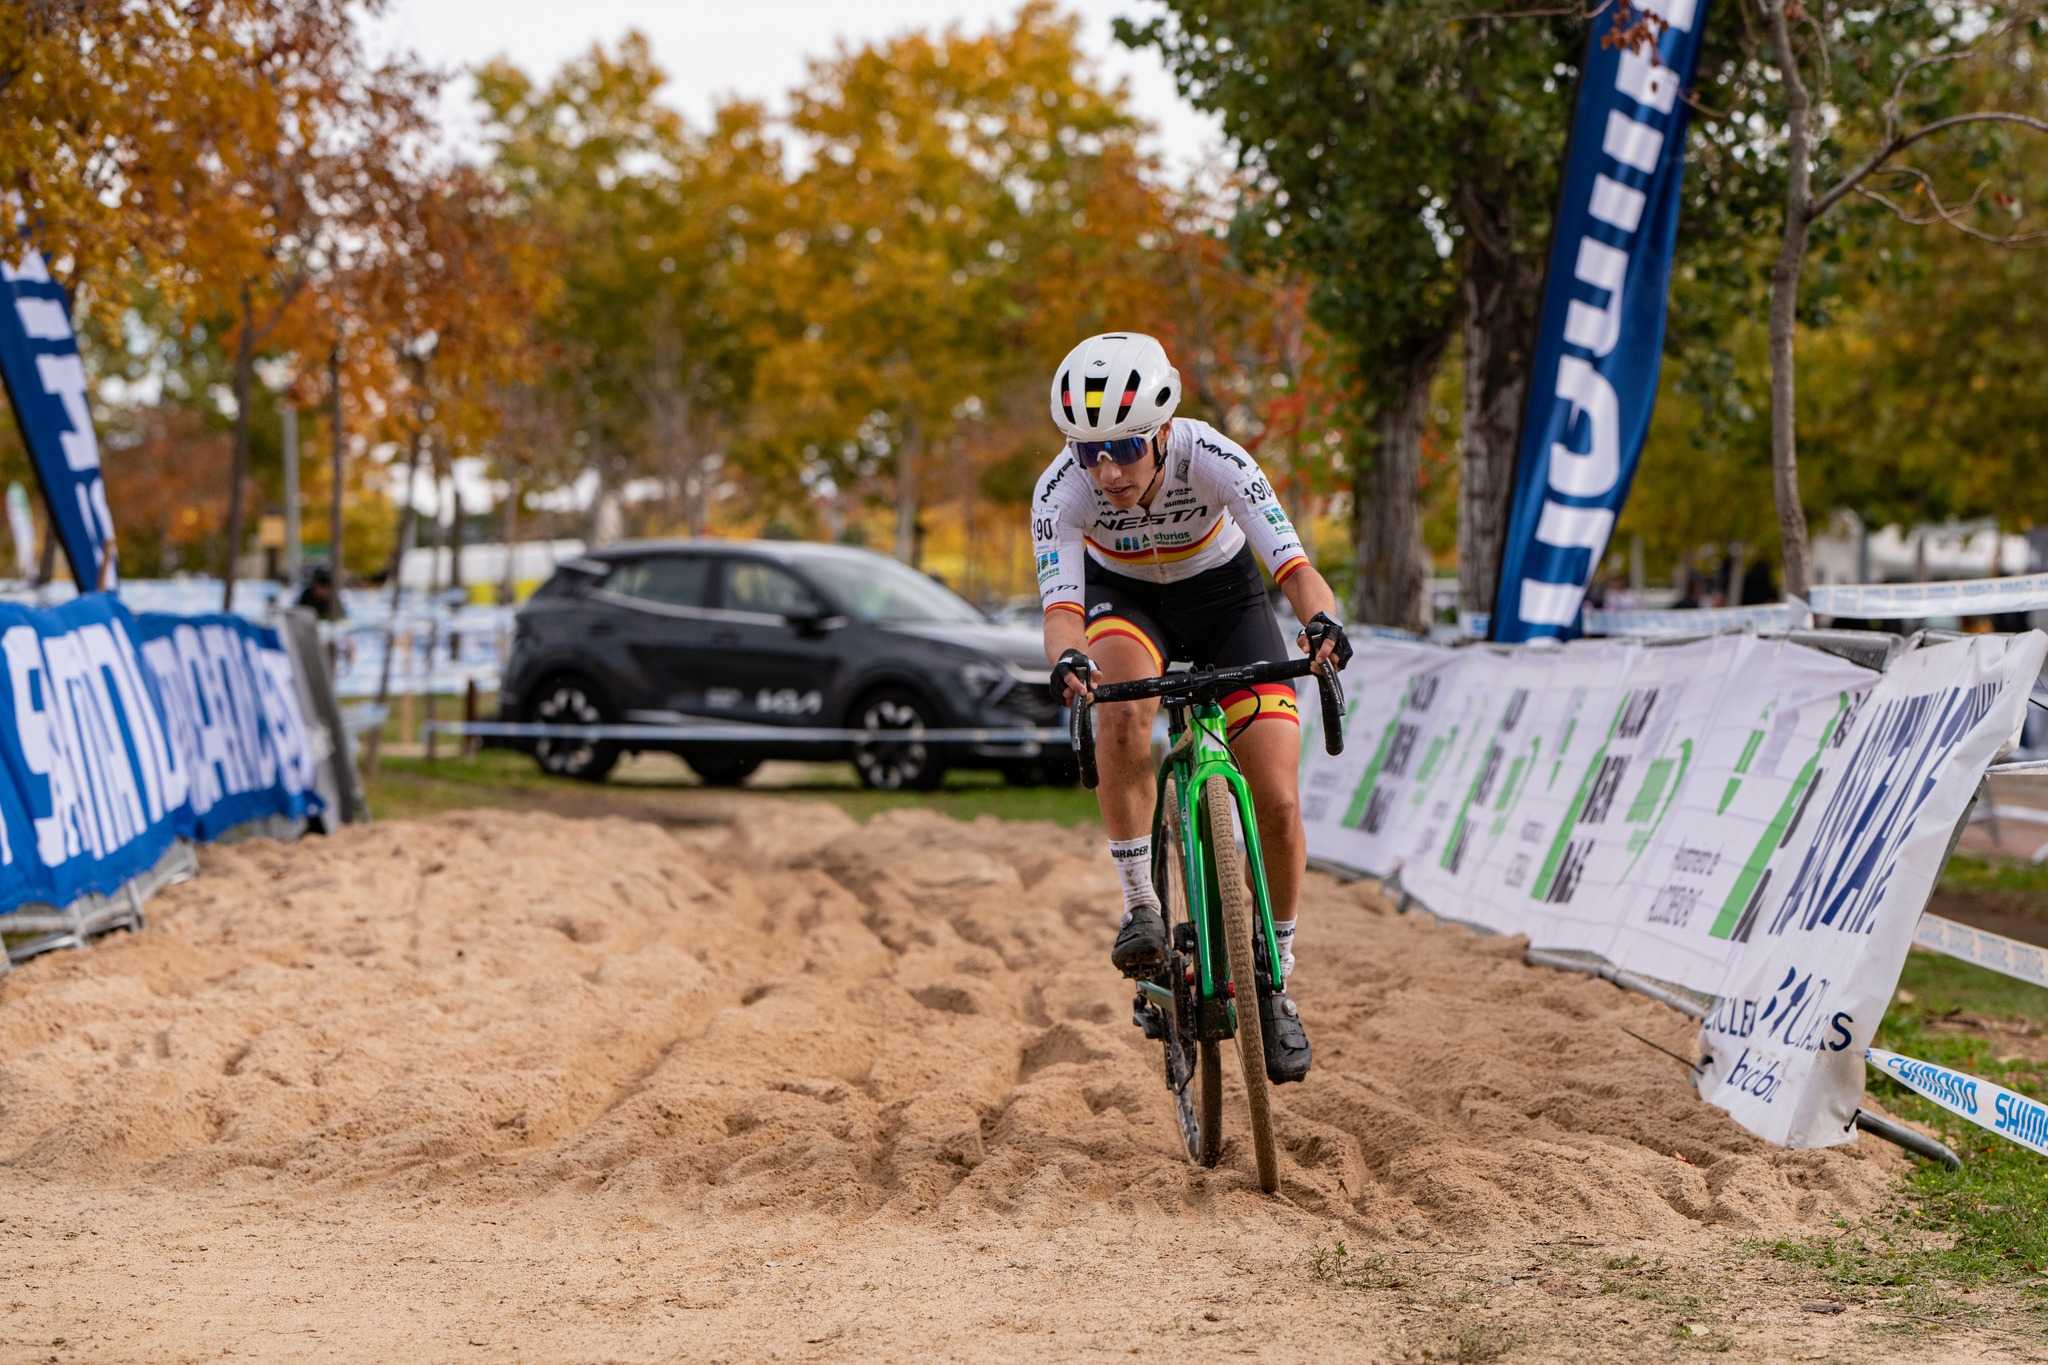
(982, 677)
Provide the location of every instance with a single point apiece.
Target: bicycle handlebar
(1187, 688)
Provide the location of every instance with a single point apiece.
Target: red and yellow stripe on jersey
(1280, 575)
(1118, 626)
(1267, 701)
(1158, 556)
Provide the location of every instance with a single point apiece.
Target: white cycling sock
(1133, 859)
(1283, 934)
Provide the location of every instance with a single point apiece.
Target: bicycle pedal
(1147, 1017)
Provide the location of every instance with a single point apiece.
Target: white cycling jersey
(1211, 498)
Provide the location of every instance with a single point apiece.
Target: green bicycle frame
(1197, 750)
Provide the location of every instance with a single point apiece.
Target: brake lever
(1332, 693)
(1081, 733)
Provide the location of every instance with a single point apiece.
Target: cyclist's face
(1124, 484)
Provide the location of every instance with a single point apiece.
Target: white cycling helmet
(1114, 385)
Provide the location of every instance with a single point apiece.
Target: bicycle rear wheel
(1194, 1076)
(1234, 908)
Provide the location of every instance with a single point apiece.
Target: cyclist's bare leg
(1123, 741)
(1269, 752)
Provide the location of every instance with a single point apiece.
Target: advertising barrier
(1747, 817)
(121, 733)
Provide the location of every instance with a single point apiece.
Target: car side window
(753, 586)
(671, 581)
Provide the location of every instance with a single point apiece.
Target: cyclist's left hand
(1324, 638)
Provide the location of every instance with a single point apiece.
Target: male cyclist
(1150, 530)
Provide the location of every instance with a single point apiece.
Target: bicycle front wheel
(1234, 908)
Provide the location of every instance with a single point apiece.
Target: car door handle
(725, 637)
(603, 628)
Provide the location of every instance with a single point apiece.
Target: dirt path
(501, 1085)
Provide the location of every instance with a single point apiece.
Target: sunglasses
(1123, 450)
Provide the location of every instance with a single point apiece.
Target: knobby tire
(1234, 908)
(1171, 877)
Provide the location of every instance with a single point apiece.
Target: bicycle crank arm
(1158, 993)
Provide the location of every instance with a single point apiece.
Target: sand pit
(509, 1085)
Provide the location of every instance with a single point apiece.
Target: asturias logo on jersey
(1048, 564)
(1129, 543)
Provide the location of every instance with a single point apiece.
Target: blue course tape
(1987, 1104)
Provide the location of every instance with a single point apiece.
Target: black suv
(782, 633)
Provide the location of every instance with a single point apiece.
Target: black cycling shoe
(1287, 1049)
(1140, 947)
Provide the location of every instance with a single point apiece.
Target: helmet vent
(1165, 395)
(1092, 387)
(1123, 409)
(1066, 397)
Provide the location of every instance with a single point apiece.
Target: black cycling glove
(1320, 628)
(1074, 664)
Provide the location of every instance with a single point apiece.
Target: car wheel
(570, 700)
(722, 772)
(896, 759)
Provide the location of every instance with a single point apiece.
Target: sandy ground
(509, 1086)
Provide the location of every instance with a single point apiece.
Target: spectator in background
(1759, 583)
(319, 595)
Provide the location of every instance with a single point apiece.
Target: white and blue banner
(1593, 379)
(46, 385)
(1752, 819)
(120, 733)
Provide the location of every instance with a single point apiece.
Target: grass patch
(1996, 1208)
(412, 786)
(1476, 1345)
(1966, 873)
(1336, 1267)
(1986, 1224)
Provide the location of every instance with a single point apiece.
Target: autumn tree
(1869, 95)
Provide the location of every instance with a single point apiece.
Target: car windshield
(877, 589)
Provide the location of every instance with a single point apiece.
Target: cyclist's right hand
(1073, 677)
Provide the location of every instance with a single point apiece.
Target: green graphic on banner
(1645, 803)
(1437, 748)
(1511, 792)
(1571, 816)
(1760, 856)
(1563, 747)
(1642, 838)
(1356, 810)
(1452, 844)
(1756, 738)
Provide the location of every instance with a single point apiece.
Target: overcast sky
(758, 48)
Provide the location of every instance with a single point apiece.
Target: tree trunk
(1784, 308)
(457, 536)
(1392, 580)
(508, 586)
(334, 560)
(405, 523)
(245, 374)
(906, 503)
(1501, 295)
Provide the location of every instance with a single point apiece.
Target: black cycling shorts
(1217, 619)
